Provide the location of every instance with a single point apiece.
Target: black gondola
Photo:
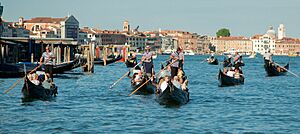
(173, 95)
(108, 61)
(130, 63)
(63, 67)
(146, 89)
(213, 61)
(32, 91)
(15, 70)
(275, 70)
(225, 80)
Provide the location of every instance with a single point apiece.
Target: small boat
(146, 89)
(173, 95)
(188, 52)
(42, 92)
(275, 70)
(225, 80)
(108, 61)
(213, 61)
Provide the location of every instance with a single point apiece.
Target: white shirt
(230, 73)
(163, 86)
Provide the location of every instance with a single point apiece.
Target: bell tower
(126, 26)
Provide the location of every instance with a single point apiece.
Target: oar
(6, 91)
(203, 60)
(150, 79)
(286, 69)
(123, 76)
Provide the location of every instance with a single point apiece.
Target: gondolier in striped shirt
(148, 62)
(48, 57)
(175, 60)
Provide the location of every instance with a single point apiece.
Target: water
(86, 105)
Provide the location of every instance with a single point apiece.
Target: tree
(224, 32)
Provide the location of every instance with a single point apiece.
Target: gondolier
(48, 57)
(148, 62)
(175, 60)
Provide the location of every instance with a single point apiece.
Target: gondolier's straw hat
(147, 47)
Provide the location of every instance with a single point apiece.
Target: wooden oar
(123, 76)
(286, 69)
(150, 79)
(6, 91)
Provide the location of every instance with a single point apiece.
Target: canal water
(85, 104)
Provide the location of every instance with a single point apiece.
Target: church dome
(271, 32)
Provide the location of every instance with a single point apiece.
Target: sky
(205, 17)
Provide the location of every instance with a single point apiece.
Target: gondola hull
(173, 95)
(214, 62)
(225, 80)
(146, 89)
(129, 64)
(108, 61)
(32, 91)
(272, 69)
(61, 68)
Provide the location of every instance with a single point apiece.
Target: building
(239, 43)
(101, 37)
(186, 40)
(281, 32)
(263, 43)
(9, 30)
(287, 46)
(66, 27)
(204, 44)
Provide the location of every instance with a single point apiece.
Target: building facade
(263, 43)
(287, 46)
(239, 44)
(67, 27)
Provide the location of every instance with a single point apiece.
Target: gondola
(173, 95)
(108, 61)
(225, 80)
(130, 63)
(15, 70)
(213, 62)
(275, 70)
(63, 67)
(32, 91)
(146, 89)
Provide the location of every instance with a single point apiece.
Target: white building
(263, 43)
(281, 32)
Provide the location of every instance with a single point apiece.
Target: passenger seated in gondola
(224, 70)
(163, 84)
(237, 74)
(35, 79)
(180, 75)
(278, 69)
(230, 73)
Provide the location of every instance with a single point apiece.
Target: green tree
(224, 32)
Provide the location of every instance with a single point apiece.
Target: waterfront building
(187, 40)
(263, 43)
(287, 46)
(204, 44)
(47, 27)
(237, 43)
(9, 30)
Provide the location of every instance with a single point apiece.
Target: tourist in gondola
(148, 67)
(48, 57)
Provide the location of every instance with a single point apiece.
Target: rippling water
(85, 104)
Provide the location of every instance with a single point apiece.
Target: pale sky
(205, 17)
